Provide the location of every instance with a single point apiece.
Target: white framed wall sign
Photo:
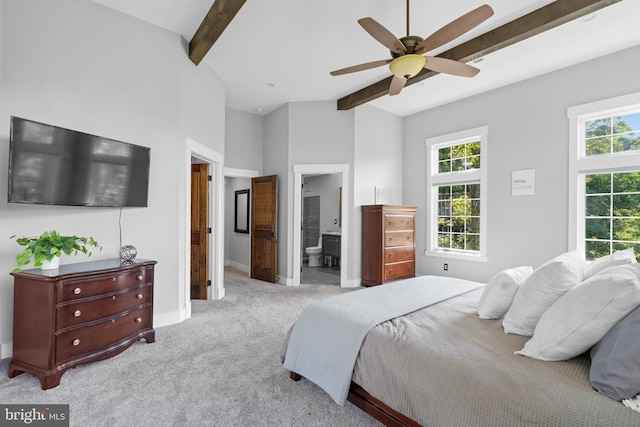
(523, 182)
(380, 195)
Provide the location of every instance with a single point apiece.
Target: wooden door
(264, 242)
(199, 231)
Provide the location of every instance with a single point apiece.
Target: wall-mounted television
(51, 165)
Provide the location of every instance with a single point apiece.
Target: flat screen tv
(51, 165)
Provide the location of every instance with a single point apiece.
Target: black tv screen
(55, 166)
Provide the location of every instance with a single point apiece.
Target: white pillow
(582, 316)
(626, 256)
(500, 290)
(541, 289)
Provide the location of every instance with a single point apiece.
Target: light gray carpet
(221, 367)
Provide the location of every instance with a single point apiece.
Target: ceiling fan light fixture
(407, 66)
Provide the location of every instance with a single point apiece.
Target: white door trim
(216, 221)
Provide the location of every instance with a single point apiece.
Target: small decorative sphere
(128, 252)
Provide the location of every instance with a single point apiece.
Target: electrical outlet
(446, 267)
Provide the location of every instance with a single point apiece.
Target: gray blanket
(326, 338)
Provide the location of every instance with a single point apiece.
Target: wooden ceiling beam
(212, 26)
(536, 22)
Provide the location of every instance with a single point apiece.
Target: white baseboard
(6, 350)
(287, 281)
(237, 266)
(353, 283)
(166, 319)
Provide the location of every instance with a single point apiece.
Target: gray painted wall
(528, 129)
(306, 133)
(237, 246)
(244, 149)
(76, 71)
(244, 140)
(378, 148)
(276, 162)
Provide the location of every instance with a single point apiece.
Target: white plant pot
(51, 265)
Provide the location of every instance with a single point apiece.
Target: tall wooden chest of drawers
(388, 243)
(77, 314)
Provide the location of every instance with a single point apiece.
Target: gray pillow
(615, 360)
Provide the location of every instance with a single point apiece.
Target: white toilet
(315, 253)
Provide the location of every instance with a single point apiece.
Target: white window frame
(435, 179)
(581, 165)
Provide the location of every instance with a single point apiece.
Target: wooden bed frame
(372, 406)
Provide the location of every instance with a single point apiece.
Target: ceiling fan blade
(381, 34)
(449, 66)
(397, 83)
(455, 28)
(360, 67)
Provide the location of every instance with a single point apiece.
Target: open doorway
(198, 153)
(321, 229)
(237, 244)
(341, 173)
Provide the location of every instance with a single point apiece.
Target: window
(605, 177)
(456, 195)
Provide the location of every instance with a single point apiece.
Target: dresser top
(382, 208)
(85, 267)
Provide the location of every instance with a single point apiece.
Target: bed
(441, 365)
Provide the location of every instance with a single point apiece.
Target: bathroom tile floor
(320, 275)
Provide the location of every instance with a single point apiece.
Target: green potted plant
(47, 248)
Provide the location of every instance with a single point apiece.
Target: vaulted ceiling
(271, 53)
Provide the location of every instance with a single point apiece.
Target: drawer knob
(77, 313)
(138, 319)
(77, 291)
(113, 279)
(140, 277)
(113, 297)
(76, 342)
(139, 296)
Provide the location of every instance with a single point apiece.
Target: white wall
(79, 65)
(528, 129)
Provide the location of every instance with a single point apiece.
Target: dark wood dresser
(77, 314)
(388, 243)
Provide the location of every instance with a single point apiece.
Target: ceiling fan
(406, 52)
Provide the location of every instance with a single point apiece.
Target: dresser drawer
(87, 339)
(397, 254)
(399, 270)
(398, 238)
(90, 309)
(398, 222)
(102, 284)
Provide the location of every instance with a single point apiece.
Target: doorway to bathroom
(321, 229)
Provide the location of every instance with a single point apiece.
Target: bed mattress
(443, 366)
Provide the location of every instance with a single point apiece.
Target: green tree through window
(612, 200)
(459, 205)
